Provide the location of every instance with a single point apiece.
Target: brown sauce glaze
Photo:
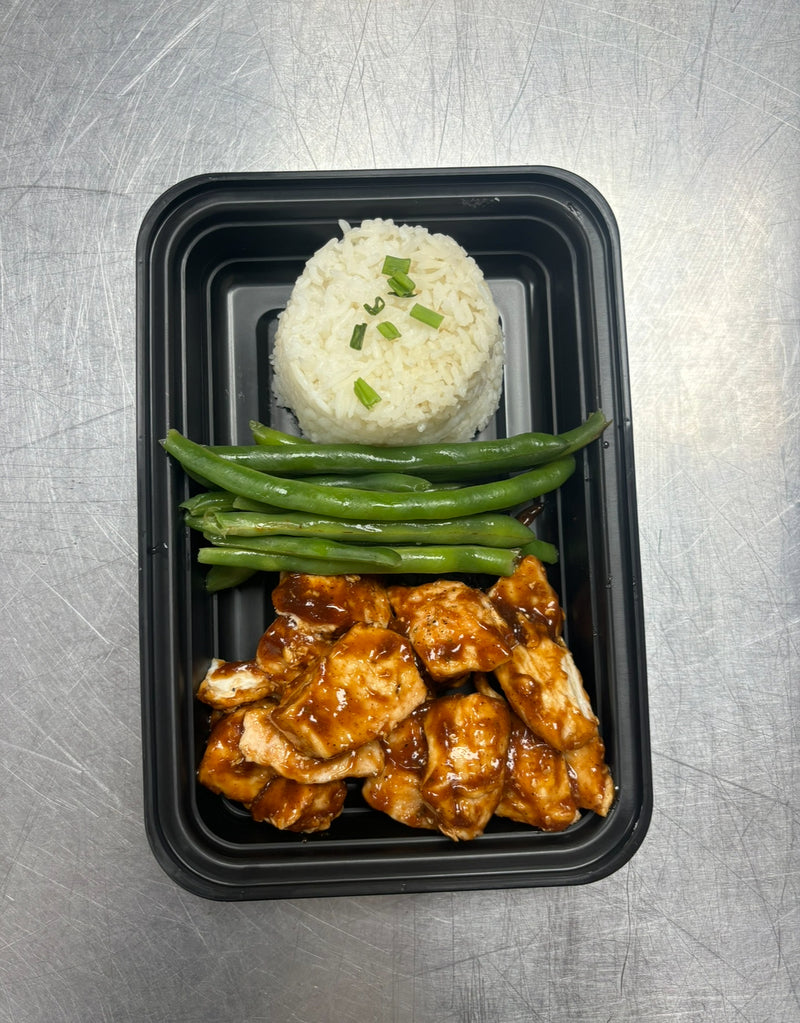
(539, 688)
(287, 648)
(590, 777)
(300, 807)
(230, 683)
(453, 628)
(263, 743)
(467, 737)
(527, 594)
(358, 691)
(332, 603)
(224, 769)
(538, 785)
(405, 745)
(451, 704)
(396, 789)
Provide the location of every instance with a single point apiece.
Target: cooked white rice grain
(435, 384)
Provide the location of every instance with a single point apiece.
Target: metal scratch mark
(168, 48)
(290, 107)
(72, 608)
(528, 69)
(706, 48)
(346, 89)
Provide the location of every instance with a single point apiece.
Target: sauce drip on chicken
(447, 705)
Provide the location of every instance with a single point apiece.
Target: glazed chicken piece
(590, 777)
(396, 789)
(335, 692)
(224, 769)
(262, 743)
(537, 789)
(227, 684)
(545, 688)
(312, 611)
(364, 686)
(467, 739)
(298, 806)
(286, 649)
(453, 628)
(329, 604)
(527, 594)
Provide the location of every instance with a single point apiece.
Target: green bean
(200, 523)
(488, 530)
(373, 557)
(590, 429)
(208, 500)
(434, 560)
(225, 577)
(441, 560)
(200, 480)
(268, 435)
(395, 481)
(345, 502)
(542, 550)
(232, 557)
(245, 504)
(433, 461)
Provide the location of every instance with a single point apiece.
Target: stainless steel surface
(685, 116)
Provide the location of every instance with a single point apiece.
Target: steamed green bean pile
(286, 504)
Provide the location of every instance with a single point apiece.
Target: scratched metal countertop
(685, 116)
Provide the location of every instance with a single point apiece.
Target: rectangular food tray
(216, 260)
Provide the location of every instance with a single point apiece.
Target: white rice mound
(435, 384)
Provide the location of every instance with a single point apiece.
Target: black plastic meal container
(217, 257)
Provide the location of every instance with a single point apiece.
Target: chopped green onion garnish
(389, 331)
(392, 264)
(357, 338)
(365, 394)
(373, 310)
(401, 284)
(425, 315)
